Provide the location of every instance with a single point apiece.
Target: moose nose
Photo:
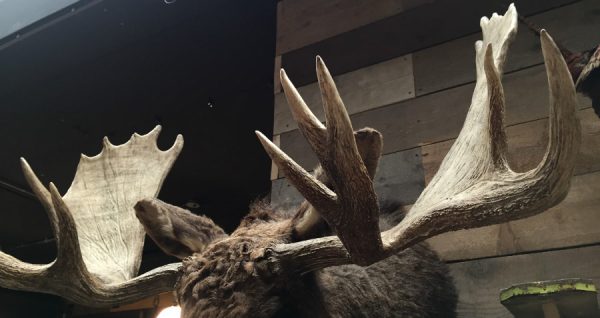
(146, 207)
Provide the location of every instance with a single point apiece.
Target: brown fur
(222, 281)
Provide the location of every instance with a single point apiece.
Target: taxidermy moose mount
(330, 256)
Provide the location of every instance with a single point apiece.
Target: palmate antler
(474, 186)
(98, 236)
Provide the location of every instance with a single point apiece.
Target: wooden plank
(479, 282)
(452, 63)
(276, 82)
(439, 116)
(274, 168)
(399, 177)
(377, 85)
(573, 222)
(284, 195)
(303, 22)
(397, 35)
(527, 144)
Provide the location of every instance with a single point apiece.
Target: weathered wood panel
(276, 82)
(284, 195)
(367, 88)
(479, 282)
(527, 144)
(399, 177)
(439, 116)
(452, 63)
(401, 34)
(573, 222)
(274, 168)
(303, 22)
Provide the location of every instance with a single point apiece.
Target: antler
(474, 186)
(98, 237)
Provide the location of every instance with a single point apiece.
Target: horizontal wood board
(367, 88)
(573, 222)
(401, 34)
(303, 22)
(448, 65)
(439, 116)
(453, 63)
(527, 143)
(479, 282)
(400, 176)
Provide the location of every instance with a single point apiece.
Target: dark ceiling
(200, 68)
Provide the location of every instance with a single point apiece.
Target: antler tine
(565, 135)
(346, 170)
(345, 211)
(308, 185)
(68, 249)
(68, 276)
(41, 193)
(310, 126)
(92, 268)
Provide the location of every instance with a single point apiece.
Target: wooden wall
(406, 68)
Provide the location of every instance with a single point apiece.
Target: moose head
(332, 256)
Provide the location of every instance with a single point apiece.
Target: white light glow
(170, 312)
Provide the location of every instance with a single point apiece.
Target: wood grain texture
(399, 177)
(574, 222)
(303, 22)
(451, 64)
(276, 82)
(526, 145)
(274, 168)
(397, 35)
(439, 116)
(479, 282)
(364, 89)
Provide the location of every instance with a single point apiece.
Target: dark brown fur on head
(222, 280)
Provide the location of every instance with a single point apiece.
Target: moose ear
(176, 231)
